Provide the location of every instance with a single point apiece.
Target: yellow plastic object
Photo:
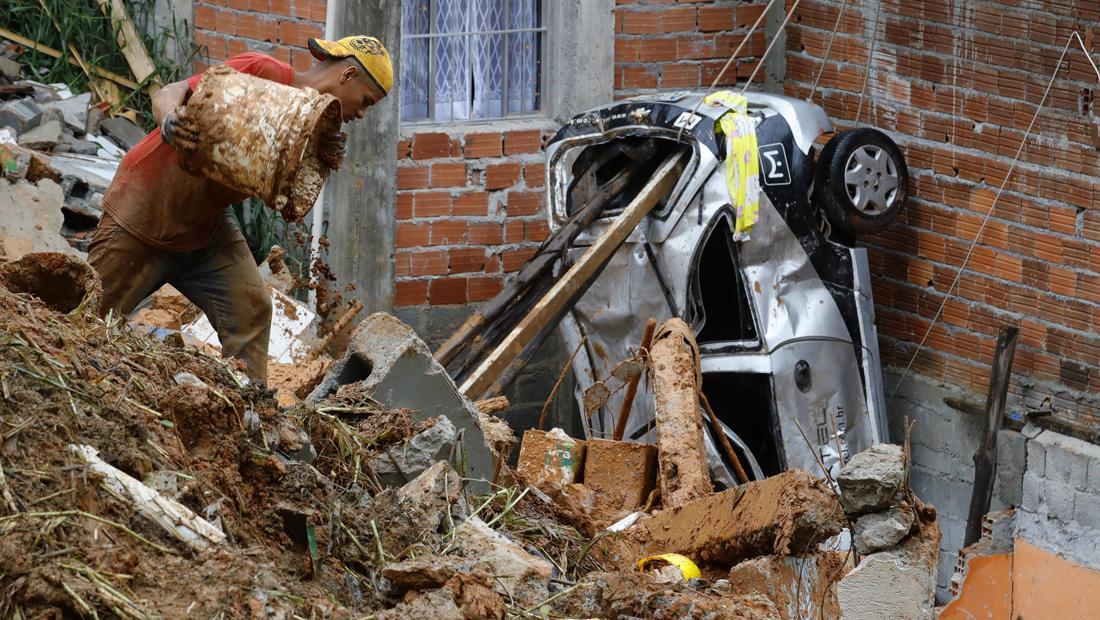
(687, 568)
(742, 159)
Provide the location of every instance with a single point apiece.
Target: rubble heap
(58, 153)
(140, 479)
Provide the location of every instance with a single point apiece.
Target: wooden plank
(578, 276)
(129, 41)
(985, 459)
(51, 52)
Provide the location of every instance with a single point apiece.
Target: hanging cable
(828, 51)
(870, 61)
(993, 205)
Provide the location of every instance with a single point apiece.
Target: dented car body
(784, 318)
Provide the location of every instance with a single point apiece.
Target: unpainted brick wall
(280, 28)
(956, 84)
(666, 45)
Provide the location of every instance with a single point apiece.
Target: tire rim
(871, 179)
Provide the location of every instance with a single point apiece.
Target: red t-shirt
(155, 200)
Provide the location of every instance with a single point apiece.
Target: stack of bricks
(956, 83)
(470, 210)
(280, 28)
(661, 44)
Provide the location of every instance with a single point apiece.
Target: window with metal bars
(471, 59)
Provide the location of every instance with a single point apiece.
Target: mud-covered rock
(881, 530)
(869, 482)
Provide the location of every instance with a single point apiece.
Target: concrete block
(1036, 458)
(800, 586)
(416, 454)
(42, 138)
(516, 573)
(73, 111)
(1067, 458)
(78, 146)
(393, 365)
(20, 114)
(900, 583)
(1092, 478)
(1059, 499)
(869, 482)
(1086, 509)
(122, 131)
(622, 474)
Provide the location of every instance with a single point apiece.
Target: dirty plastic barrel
(64, 283)
(260, 138)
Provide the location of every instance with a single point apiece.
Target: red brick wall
(956, 84)
(277, 27)
(470, 209)
(661, 44)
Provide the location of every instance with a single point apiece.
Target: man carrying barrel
(162, 225)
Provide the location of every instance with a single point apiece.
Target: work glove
(333, 149)
(177, 131)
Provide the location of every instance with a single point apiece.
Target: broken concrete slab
(20, 114)
(399, 464)
(622, 474)
(869, 482)
(32, 219)
(43, 137)
(674, 368)
(789, 512)
(394, 366)
(881, 530)
(516, 573)
(550, 457)
(434, 491)
(435, 604)
(78, 146)
(469, 583)
(898, 583)
(73, 111)
(800, 586)
(122, 131)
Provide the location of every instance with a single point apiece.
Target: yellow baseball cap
(369, 51)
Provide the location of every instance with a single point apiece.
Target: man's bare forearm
(169, 98)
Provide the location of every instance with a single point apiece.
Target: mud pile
(143, 479)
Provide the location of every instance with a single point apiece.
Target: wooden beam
(985, 459)
(51, 52)
(579, 276)
(133, 48)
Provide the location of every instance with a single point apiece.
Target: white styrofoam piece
(285, 344)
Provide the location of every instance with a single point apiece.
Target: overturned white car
(782, 312)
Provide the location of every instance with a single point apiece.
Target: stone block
(32, 219)
(898, 584)
(393, 365)
(881, 530)
(78, 146)
(401, 463)
(869, 482)
(122, 131)
(42, 138)
(73, 111)
(20, 114)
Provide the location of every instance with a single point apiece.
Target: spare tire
(862, 181)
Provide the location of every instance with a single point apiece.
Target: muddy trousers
(221, 279)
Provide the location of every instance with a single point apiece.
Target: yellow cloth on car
(742, 159)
